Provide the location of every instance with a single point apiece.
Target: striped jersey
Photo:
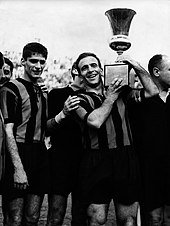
(114, 132)
(24, 104)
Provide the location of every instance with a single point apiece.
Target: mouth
(37, 72)
(91, 76)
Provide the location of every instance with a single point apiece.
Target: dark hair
(9, 62)
(1, 60)
(84, 55)
(73, 69)
(34, 47)
(155, 61)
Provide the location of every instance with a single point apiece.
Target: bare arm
(20, 178)
(97, 117)
(145, 78)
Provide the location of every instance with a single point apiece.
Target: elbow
(154, 92)
(94, 124)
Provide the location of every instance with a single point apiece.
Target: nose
(90, 68)
(38, 65)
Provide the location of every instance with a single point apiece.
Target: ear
(156, 71)
(101, 70)
(23, 61)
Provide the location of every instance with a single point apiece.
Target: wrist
(58, 118)
(110, 99)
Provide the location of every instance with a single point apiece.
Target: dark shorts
(155, 188)
(64, 166)
(36, 164)
(109, 174)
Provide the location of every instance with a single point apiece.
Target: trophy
(120, 20)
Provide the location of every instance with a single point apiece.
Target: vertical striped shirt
(114, 132)
(24, 104)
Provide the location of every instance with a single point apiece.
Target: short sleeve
(8, 104)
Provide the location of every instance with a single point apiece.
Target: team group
(106, 143)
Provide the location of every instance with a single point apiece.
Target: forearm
(53, 123)
(99, 115)
(13, 149)
(146, 80)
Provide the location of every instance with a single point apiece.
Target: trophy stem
(119, 52)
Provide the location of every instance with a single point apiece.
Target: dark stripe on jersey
(94, 101)
(43, 114)
(102, 138)
(88, 141)
(83, 103)
(102, 132)
(32, 121)
(118, 125)
(128, 126)
(87, 105)
(11, 103)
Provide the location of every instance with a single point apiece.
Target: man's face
(34, 66)
(6, 73)
(164, 72)
(90, 71)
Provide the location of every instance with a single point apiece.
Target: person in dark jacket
(65, 151)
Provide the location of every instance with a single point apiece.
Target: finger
(75, 107)
(74, 102)
(21, 185)
(18, 185)
(25, 186)
(116, 81)
(74, 98)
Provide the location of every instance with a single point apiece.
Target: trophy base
(117, 70)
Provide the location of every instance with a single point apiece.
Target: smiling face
(90, 71)
(33, 67)
(6, 74)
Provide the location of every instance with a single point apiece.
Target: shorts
(35, 160)
(64, 165)
(155, 173)
(106, 175)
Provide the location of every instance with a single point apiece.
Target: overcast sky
(69, 27)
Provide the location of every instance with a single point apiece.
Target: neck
(97, 90)
(163, 88)
(28, 78)
(75, 86)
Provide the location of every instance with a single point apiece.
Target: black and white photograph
(84, 112)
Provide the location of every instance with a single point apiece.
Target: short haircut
(9, 62)
(1, 60)
(155, 61)
(84, 55)
(32, 48)
(73, 68)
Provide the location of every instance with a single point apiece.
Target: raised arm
(97, 117)
(145, 78)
